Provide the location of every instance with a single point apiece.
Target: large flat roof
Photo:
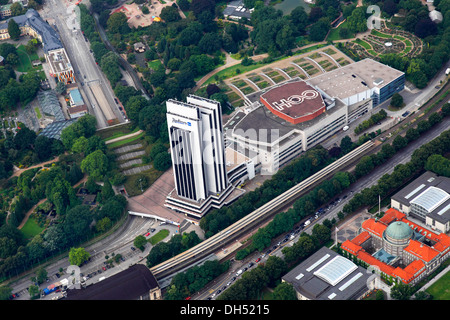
(129, 284)
(328, 276)
(355, 78)
(430, 191)
(262, 119)
(59, 60)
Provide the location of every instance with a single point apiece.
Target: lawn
(155, 64)
(159, 236)
(25, 59)
(441, 289)
(31, 228)
(38, 112)
(381, 35)
(363, 43)
(334, 33)
(232, 71)
(117, 134)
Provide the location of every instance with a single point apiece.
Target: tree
(315, 14)
(41, 275)
(134, 105)
(95, 164)
(32, 45)
(198, 6)
(43, 147)
(299, 19)
(13, 29)
(61, 87)
(103, 224)
(425, 27)
(77, 256)
(210, 43)
(346, 144)
(390, 7)
(357, 21)
(284, 291)
(399, 142)
(16, 9)
(170, 14)
(107, 191)
(24, 139)
(5, 292)
(118, 23)
(162, 161)
(110, 66)
(140, 242)
(319, 30)
(401, 291)
(183, 4)
(76, 224)
(397, 100)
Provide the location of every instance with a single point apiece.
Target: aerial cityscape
(245, 151)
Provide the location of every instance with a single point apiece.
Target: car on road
(133, 248)
(258, 260)
(104, 268)
(147, 234)
(405, 114)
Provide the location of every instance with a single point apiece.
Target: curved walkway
(124, 137)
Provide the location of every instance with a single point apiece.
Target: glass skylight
(431, 198)
(336, 270)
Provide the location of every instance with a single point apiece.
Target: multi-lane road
(91, 80)
(401, 157)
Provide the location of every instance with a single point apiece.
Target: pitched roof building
(400, 248)
(32, 24)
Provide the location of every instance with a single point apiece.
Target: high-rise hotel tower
(198, 155)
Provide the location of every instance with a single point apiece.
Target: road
(120, 242)
(83, 63)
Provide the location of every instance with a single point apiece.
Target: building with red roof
(295, 102)
(398, 247)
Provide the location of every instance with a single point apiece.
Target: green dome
(399, 231)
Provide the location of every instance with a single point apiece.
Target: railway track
(230, 233)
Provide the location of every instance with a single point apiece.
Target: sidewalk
(428, 284)
(124, 137)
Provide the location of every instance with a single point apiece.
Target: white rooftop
(335, 270)
(431, 198)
